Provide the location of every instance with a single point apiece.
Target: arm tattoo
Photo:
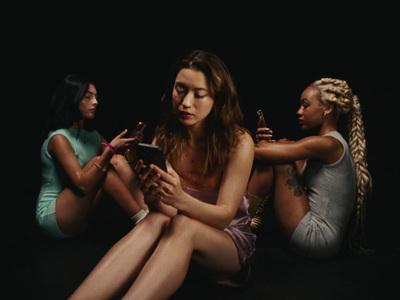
(294, 182)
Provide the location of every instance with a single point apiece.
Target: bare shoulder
(321, 142)
(58, 143)
(325, 148)
(245, 141)
(244, 150)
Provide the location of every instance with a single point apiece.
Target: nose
(187, 100)
(300, 111)
(95, 102)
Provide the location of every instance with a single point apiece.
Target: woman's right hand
(264, 134)
(120, 143)
(146, 179)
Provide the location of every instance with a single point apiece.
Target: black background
(272, 54)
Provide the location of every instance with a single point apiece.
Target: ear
(328, 108)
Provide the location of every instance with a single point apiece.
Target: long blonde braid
(338, 92)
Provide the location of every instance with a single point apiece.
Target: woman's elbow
(81, 187)
(224, 221)
(260, 153)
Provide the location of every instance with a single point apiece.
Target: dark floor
(44, 269)
(38, 268)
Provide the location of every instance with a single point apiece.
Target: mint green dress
(86, 146)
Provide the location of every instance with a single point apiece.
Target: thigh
(73, 210)
(48, 223)
(291, 202)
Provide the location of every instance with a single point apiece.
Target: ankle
(140, 216)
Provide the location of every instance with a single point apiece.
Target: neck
(196, 137)
(78, 125)
(327, 127)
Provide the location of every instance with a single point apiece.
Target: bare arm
(325, 149)
(232, 188)
(83, 179)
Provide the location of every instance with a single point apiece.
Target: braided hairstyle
(338, 92)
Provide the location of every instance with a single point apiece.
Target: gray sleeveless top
(331, 197)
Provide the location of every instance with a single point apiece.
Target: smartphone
(139, 128)
(151, 154)
(261, 115)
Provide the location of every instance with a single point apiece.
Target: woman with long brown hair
(199, 207)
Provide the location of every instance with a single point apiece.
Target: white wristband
(140, 216)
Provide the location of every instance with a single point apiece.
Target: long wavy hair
(224, 123)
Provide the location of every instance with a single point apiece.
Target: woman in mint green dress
(79, 166)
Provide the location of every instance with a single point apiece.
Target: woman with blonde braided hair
(313, 207)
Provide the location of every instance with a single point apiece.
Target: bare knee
(118, 161)
(154, 221)
(182, 226)
(124, 170)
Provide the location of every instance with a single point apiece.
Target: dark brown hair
(223, 123)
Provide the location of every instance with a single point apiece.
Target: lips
(185, 114)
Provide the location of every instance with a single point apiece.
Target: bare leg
(127, 175)
(123, 262)
(116, 188)
(185, 238)
(73, 209)
(291, 203)
(261, 181)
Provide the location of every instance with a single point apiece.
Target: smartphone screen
(151, 154)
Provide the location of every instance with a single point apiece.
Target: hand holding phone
(139, 128)
(137, 134)
(263, 133)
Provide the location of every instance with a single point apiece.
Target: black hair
(64, 105)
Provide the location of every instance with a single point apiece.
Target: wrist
(109, 148)
(112, 149)
(184, 204)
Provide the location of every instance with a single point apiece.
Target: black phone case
(151, 154)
